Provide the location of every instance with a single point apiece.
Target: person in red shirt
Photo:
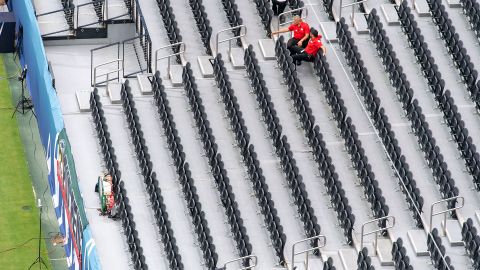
(309, 53)
(301, 33)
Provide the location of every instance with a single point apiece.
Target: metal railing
(98, 20)
(352, 17)
(63, 11)
(181, 50)
(321, 241)
(303, 14)
(235, 36)
(119, 68)
(444, 212)
(389, 223)
(249, 257)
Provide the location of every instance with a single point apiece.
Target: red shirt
(299, 31)
(314, 44)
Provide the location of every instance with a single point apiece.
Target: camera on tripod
(24, 104)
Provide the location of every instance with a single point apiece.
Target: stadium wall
(80, 247)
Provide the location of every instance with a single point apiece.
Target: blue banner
(61, 169)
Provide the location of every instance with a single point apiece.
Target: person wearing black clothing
(278, 6)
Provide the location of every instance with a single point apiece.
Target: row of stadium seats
(413, 111)
(352, 144)
(171, 25)
(203, 24)
(98, 6)
(399, 256)
(121, 198)
(471, 8)
(266, 14)
(219, 173)
(380, 120)
(472, 242)
(456, 49)
(315, 140)
(233, 16)
(443, 98)
(295, 4)
(364, 262)
(150, 179)
(250, 160)
(327, 6)
(69, 10)
(328, 264)
(185, 179)
(437, 252)
(282, 147)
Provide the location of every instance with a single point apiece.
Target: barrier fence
(80, 246)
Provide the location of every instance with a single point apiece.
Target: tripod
(39, 258)
(24, 104)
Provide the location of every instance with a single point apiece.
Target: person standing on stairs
(301, 34)
(308, 54)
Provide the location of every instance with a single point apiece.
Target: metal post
(235, 36)
(340, 12)
(250, 257)
(317, 247)
(304, 15)
(353, 15)
(390, 224)
(462, 200)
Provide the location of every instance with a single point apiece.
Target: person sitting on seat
(301, 33)
(309, 53)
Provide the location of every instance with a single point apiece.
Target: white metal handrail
(303, 15)
(249, 257)
(444, 227)
(181, 50)
(235, 36)
(118, 61)
(353, 9)
(321, 242)
(389, 223)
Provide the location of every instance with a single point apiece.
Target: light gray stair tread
(384, 251)
(421, 6)
(176, 72)
(83, 100)
(267, 46)
(113, 90)
(418, 239)
(206, 67)
(329, 31)
(454, 232)
(360, 23)
(236, 57)
(145, 83)
(348, 257)
(390, 14)
(477, 214)
(454, 3)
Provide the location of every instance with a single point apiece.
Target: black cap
(314, 32)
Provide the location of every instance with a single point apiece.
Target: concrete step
(236, 58)
(206, 67)
(454, 3)
(390, 14)
(418, 239)
(176, 72)
(360, 23)
(421, 6)
(384, 251)
(348, 258)
(267, 46)
(113, 91)
(145, 83)
(453, 232)
(83, 100)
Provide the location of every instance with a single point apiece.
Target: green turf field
(18, 213)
